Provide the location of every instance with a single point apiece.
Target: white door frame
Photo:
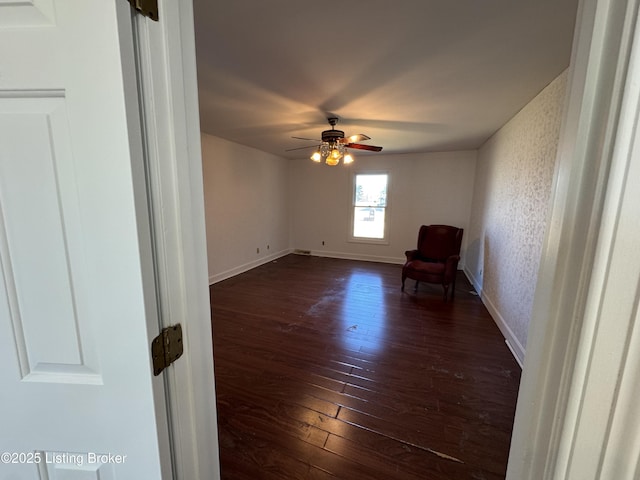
(566, 412)
(171, 123)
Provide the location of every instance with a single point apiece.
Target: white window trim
(366, 240)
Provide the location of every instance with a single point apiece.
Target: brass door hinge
(166, 348)
(148, 8)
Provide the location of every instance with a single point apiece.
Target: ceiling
(414, 75)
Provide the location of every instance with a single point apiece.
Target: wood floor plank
(326, 370)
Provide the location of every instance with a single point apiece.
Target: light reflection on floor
(364, 312)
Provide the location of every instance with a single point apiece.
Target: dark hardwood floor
(326, 370)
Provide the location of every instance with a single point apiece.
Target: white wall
(246, 206)
(510, 208)
(254, 200)
(424, 188)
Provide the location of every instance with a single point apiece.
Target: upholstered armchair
(436, 258)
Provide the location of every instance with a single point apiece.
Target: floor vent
(302, 252)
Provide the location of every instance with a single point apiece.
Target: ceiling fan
(334, 145)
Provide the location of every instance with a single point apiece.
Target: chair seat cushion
(428, 268)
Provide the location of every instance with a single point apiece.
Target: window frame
(352, 206)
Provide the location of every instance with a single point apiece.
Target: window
(369, 210)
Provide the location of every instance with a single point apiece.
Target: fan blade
(359, 137)
(310, 139)
(301, 148)
(359, 146)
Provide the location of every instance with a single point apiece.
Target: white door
(77, 298)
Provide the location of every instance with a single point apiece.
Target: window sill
(370, 241)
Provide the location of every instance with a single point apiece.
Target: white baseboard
(516, 348)
(518, 354)
(355, 256)
(247, 266)
(315, 253)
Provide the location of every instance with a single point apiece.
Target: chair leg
(403, 279)
(446, 290)
(453, 288)
(416, 287)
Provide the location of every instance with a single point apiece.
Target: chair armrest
(450, 268)
(411, 255)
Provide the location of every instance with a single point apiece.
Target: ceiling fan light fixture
(332, 161)
(335, 154)
(334, 145)
(325, 149)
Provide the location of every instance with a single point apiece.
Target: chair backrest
(439, 242)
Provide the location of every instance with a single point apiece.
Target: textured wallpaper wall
(511, 198)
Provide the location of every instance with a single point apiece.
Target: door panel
(26, 13)
(41, 242)
(77, 296)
